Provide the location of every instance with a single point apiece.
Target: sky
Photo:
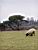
(28, 8)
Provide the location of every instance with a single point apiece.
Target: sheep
(31, 32)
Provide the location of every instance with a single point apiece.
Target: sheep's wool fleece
(31, 30)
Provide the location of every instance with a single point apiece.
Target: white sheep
(31, 32)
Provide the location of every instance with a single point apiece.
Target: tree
(32, 19)
(16, 17)
(28, 19)
(2, 27)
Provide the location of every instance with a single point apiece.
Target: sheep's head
(27, 34)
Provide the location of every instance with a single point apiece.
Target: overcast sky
(26, 7)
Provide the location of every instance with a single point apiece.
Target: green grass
(16, 40)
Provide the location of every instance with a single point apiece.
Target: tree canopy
(16, 17)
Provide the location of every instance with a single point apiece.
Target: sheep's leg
(34, 33)
(29, 34)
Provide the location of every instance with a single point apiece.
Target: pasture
(17, 40)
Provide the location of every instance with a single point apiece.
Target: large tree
(16, 17)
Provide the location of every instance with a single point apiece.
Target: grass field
(16, 40)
